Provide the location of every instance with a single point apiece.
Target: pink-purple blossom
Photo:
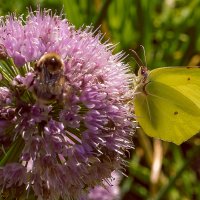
(109, 191)
(63, 148)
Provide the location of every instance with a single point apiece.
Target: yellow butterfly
(167, 102)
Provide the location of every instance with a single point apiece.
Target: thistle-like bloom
(110, 191)
(63, 127)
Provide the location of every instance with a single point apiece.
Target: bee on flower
(64, 121)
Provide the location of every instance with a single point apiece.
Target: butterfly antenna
(137, 59)
(145, 60)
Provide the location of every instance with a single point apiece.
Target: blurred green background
(169, 30)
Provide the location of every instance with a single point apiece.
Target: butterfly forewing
(169, 107)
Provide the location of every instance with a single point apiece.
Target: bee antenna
(145, 60)
(137, 58)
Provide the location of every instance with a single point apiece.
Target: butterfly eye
(143, 72)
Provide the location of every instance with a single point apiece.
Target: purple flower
(110, 190)
(65, 123)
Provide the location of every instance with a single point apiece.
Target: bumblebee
(49, 81)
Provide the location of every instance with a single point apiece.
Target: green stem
(13, 153)
(146, 145)
(102, 13)
(172, 181)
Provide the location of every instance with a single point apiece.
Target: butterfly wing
(169, 105)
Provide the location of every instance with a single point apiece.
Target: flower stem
(13, 153)
(102, 13)
(172, 181)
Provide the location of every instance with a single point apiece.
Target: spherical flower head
(65, 123)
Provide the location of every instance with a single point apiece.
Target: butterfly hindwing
(169, 106)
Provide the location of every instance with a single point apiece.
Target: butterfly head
(143, 74)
